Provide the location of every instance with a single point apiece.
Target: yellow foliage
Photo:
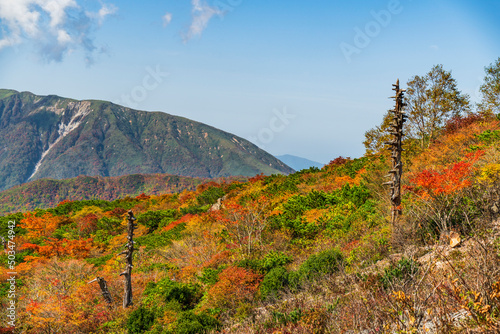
(89, 210)
(490, 173)
(450, 148)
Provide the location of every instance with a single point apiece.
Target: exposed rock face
(54, 137)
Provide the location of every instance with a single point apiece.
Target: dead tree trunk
(104, 290)
(127, 298)
(396, 147)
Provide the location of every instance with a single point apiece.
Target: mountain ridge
(56, 137)
(298, 163)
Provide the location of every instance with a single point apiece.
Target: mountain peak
(55, 137)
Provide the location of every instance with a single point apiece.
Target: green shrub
(109, 224)
(99, 261)
(275, 259)
(158, 218)
(210, 196)
(489, 136)
(194, 209)
(167, 291)
(4, 224)
(210, 276)
(192, 323)
(326, 262)
(294, 209)
(155, 240)
(279, 184)
(275, 281)
(140, 320)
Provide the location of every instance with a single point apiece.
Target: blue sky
(306, 78)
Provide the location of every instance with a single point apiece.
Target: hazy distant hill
(55, 137)
(298, 163)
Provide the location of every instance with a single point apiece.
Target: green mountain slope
(55, 137)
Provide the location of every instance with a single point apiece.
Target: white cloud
(167, 18)
(63, 37)
(54, 27)
(202, 13)
(106, 10)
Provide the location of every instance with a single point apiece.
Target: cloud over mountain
(53, 27)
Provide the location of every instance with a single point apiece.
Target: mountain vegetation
(59, 138)
(311, 252)
(46, 193)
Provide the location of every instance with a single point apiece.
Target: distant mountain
(59, 138)
(298, 163)
(46, 193)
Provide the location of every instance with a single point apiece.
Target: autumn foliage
(309, 252)
(235, 287)
(78, 249)
(431, 183)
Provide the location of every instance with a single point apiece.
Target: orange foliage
(186, 198)
(218, 259)
(143, 197)
(257, 178)
(235, 286)
(64, 202)
(183, 219)
(55, 247)
(88, 224)
(39, 227)
(313, 215)
(451, 147)
(430, 183)
(60, 301)
(334, 182)
(116, 212)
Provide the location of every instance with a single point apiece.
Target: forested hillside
(311, 252)
(46, 193)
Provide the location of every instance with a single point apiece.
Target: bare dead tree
(128, 252)
(104, 290)
(395, 145)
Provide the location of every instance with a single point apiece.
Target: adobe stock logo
(227, 5)
(363, 37)
(277, 124)
(153, 78)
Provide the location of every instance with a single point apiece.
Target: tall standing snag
(127, 298)
(396, 147)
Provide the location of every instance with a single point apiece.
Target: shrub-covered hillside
(311, 252)
(46, 193)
